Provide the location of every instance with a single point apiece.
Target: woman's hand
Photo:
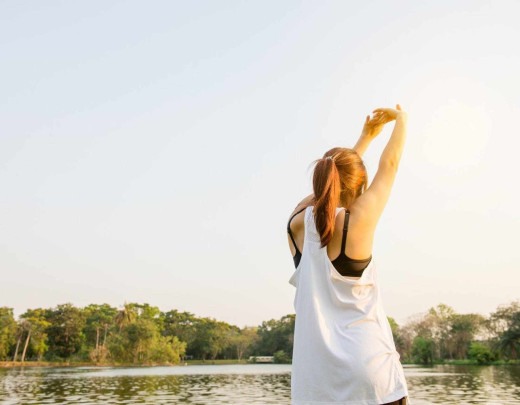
(373, 126)
(385, 115)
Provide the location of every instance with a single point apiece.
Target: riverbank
(12, 364)
(468, 362)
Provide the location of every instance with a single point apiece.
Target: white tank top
(344, 352)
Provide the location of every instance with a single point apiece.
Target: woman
(344, 352)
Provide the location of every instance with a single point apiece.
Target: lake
(236, 384)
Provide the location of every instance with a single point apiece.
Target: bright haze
(153, 151)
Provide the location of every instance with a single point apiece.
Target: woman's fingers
(384, 110)
(379, 115)
(388, 114)
(379, 121)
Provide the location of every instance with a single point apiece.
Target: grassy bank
(9, 364)
(476, 363)
(201, 362)
(468, 362)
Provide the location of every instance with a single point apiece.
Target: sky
(153, 151)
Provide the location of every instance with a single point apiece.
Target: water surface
(236, 384)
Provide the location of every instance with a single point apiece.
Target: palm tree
(125, 316)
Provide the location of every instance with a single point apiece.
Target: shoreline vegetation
(35, 363)
(56, 364)
(143, 335)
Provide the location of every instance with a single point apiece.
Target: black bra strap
(345, 228)
(289, 229)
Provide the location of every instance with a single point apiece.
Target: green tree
(180, 324)
(244, 340)
(147, 311)
(34, 324)
(501, 320)
(440, 319)
(167, 349)
(399, 340)
(8, 330)
(141, 342)
(509, 341)
(65, 333)
(211, 338)
(419, 329)
(463, 330)
(140, 335)
(275, 335)
(422, 350)
(99, 319)
(503, 326)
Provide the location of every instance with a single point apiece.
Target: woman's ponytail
(339, 178)
(327, 187)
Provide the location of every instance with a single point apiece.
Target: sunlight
(455, 127)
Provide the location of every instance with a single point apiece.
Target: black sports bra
(343, 264)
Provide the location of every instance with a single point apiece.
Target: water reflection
(464, 384)
(211, 385)
(238, 384)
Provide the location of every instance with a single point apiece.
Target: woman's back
(350, 233)
(343, 346)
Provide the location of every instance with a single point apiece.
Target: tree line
(143, 334)
(135, 334)
(441, 334)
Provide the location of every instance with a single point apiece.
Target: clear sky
(153, 151)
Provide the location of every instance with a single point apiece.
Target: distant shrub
(481, 353)
(422, 349)
(281, 357)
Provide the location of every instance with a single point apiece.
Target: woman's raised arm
(374, 199)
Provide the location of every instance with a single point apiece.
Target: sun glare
(456, 135)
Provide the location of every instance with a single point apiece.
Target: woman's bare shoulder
(298, 213)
